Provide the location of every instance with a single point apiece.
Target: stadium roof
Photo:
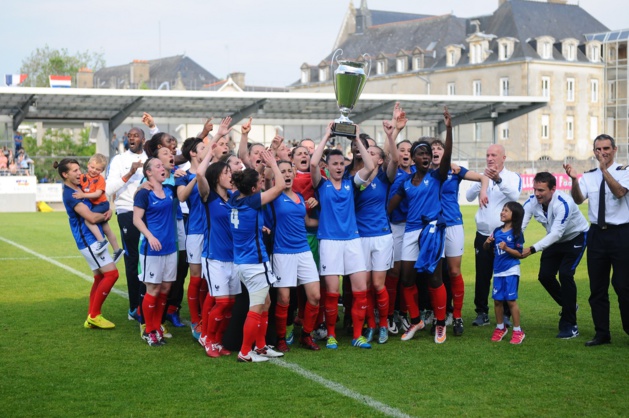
(18, 104)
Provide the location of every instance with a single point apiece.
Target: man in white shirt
(606, 189)
(562, 247)
(123, 179)
(504, 186)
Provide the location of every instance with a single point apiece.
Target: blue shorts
(101, 207)
(505, 288)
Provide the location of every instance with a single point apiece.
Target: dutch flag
(14, 79)
(60, 80)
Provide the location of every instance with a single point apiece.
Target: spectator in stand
(18, 139)
(4, 159)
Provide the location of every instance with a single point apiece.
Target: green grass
(52, 366)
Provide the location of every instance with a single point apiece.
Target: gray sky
(268, 40)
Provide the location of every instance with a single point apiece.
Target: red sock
(250, 331)
(310, 318)
(172, 309)
(369, 313)
(301, 303)
(102, 290)
(382, 300)
(458, 292)
(410, 297)
(281, 315)
(203, 292)
(205, 311)
(359, 310)
(331, 312)
(215, 318)
(264, 325)
(193, 299)
(97, 278)
(149, 310)
(438, 296)
(162, 302)
(391, 284)
(321, 314)
(227, 316)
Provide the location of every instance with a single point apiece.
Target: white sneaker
(412, 330)
(252, 357)
(269, 352)
(392, 327)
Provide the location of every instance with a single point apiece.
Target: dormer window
(400, 64)
(418, 62)
(305, 74)
(381, 67)
(593, 51)
(505, 48)
(323, 73)
(476, 53)
(545, 47)
(453, 55)
(569, 49)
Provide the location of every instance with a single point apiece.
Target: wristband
(533, 250)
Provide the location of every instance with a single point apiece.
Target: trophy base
(347, 130)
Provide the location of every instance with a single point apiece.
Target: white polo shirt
(616, 210)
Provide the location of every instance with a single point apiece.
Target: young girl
(93, 186)
(507, 241)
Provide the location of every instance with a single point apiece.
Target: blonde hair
(99, 159)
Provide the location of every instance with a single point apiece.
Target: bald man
(504, 186)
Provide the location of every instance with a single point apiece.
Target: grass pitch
(52, 366)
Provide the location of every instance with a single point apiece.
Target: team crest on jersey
(373, 186)
(509, 238)
(449, 176)
(347, 187)
(426, 182)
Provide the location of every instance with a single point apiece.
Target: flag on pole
(14, 79)
(60, 80)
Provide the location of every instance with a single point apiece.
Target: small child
(507, 241)
(93, 186)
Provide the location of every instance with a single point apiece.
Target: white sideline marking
(35, 258)
(61, 265)
(337, 387)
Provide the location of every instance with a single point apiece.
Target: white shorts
(157, 269)
(341, 257)
(221, 277)
(96, 261)
(410, 245)
(455, 241)
(194, 248)
(378, 252)
(255, 276)
(292, 270)
(181, 235)
(397, 231)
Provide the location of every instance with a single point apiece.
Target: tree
(46, 61)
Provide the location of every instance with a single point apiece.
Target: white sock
(517, 329)
(500, 326)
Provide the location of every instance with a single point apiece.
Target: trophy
(349, 81)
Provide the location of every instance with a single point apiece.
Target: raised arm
(270, 194)
(575, 191)
(315, 174)
(368, 165)
(243, 151)
(446, 160)
(394, 159)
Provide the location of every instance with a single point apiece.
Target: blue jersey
(159, 218)
(286, 218)
(80, 232)
(197, 223)
(337, 219)
(170, 183)
(398, 214)
(450, 198)
(246, 225)
(423, 200)
(505, 264)
(217, 240)
(371, 213)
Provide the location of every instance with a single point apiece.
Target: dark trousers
(562, 257)
(484, 272)
(608, 249)
(130, 240)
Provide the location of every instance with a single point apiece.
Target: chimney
(363, 18)
(239, 79)
(140, 72)
(85, 78)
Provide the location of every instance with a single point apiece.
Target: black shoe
(598, 341)
(458, 327)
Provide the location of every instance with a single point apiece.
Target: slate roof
(193, 76)
(382, 17)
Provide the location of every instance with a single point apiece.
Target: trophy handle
(335, 56)
(367, 58)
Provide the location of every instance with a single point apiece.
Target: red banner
(564, 182)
